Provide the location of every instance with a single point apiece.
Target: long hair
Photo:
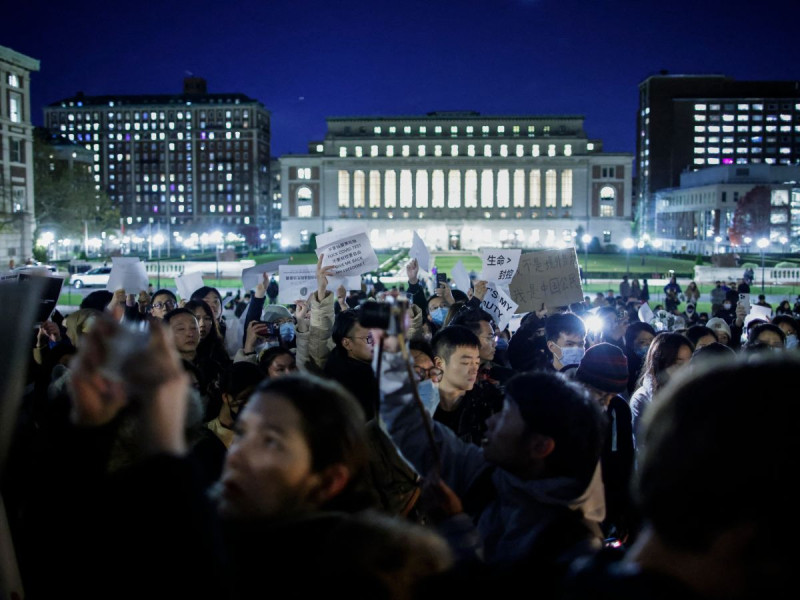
(662, 354)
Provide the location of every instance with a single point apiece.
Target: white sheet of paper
(761, 312)
(499, 305)
(646, 313)
(420, 251)
(350, 282)
(188, 283)
(460, 276)
(252, 275)
(296, 282)
(128, 274)
(349, 250)
(500, 265)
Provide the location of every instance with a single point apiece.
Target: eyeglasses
(434, 373)
(368, 338)
(489, 338)
(169, 305)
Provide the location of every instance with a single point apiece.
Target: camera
(383, 315)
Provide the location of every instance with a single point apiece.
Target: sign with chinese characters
(500, 265)
(296, 282)
(420, 251)
(547, 278)
(348, 250)
(499, 305)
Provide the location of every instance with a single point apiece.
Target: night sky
(309, 59)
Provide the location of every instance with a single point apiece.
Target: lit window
(531, 130)
(699, 161)
(566, 188)
(407, 129)
(373, 150)
(389, 150)
(423, 130)
(567, 149)
(551, 150)
(699, 140)
(374, 189)
(376, 130)
(700, 118)
(470, 130)
(519, 150)
(727, 118)
(437, 189)
(359, 191)
(471, 150)
(437, 150)
(392, 130)
(487, 149)
(454, 150)
(15, 107)
(390, 193)
(487, 188)
(453, 131)
(535, 150)
(406, 191)
(471, 189)
(13, 80)
(590, 146)
(320, 147)
(437, 130)
(359, 151)
(535, 185)
(342, 152)
(727, 128)
(421, 150)
(701, 128)
(344, 189)
(519, 188)
(608, 210)
(713, 161)
(502, 188)
(504, 150)
(304, 211)
(485, 130)
(422, 189)
(550, 188)
(742, 118)
(454, 189)
(699, 106)
(405, 150)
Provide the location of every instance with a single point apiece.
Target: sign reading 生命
(547, 278)
(500, 265)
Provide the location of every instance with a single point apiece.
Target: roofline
(456, 117)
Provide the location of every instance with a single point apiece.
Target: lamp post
(586, 239)
(762, 244)
(628, 244)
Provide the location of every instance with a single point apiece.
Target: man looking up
(463, 408)
(566, 337)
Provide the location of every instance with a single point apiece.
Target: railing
(772, 276)
(227, 268)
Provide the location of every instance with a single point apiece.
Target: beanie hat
(604, 367)
(275, 312)
(716, 324)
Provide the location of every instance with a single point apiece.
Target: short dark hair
(472, 319)
(421, 345)
(696, 332)
(759, 329)
(553, 406)
(343, 325)
(165, 292)
(789, 320)
(567, 323)
(176, 312)
(698, 475)
(240, 377)
(332, 423)
(270, 354)
(449, 338)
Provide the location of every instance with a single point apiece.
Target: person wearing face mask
(566, 338)
(638, 338)
(690, 315)
(789, 326)
(668, 353)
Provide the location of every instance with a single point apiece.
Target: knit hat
(719, 325)
(604, 367)
(275, 312)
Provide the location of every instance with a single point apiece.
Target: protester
(638, 338)
(701, 336)
(566, 337)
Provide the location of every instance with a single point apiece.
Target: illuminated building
(186, 162)
(462, 180)
(16, 157)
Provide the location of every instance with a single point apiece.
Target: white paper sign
(760, 312)
(188, 283)
(547, 278)
(500, 265)
(499, 305)
(127, 274)
(296, 282)
(251, 276)
(460, 277)
(348, 250)
(646, 313)
(420, 251)
(350, 282)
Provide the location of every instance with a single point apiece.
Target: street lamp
(586, 239)
(628, 244)
(762, 244)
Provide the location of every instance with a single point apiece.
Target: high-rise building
(16, 157)
(190, 162)
(689, 122)
(461, 179)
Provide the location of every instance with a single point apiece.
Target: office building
(182, 163)
(16, 157)
(461, 179)
(689, 122)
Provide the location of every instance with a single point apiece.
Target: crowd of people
(393, 443)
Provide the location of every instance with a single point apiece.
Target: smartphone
(441, 278)
(744, 300)
(272, 330)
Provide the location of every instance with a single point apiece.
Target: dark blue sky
(308, 59)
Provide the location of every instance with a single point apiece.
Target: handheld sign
(499, 306)
(252, 275)
(546, 278)
(500, 265)
(348, 250)
(420, 251)
(297, 282)
(127, 274)
(460, 276)
(188, 283)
